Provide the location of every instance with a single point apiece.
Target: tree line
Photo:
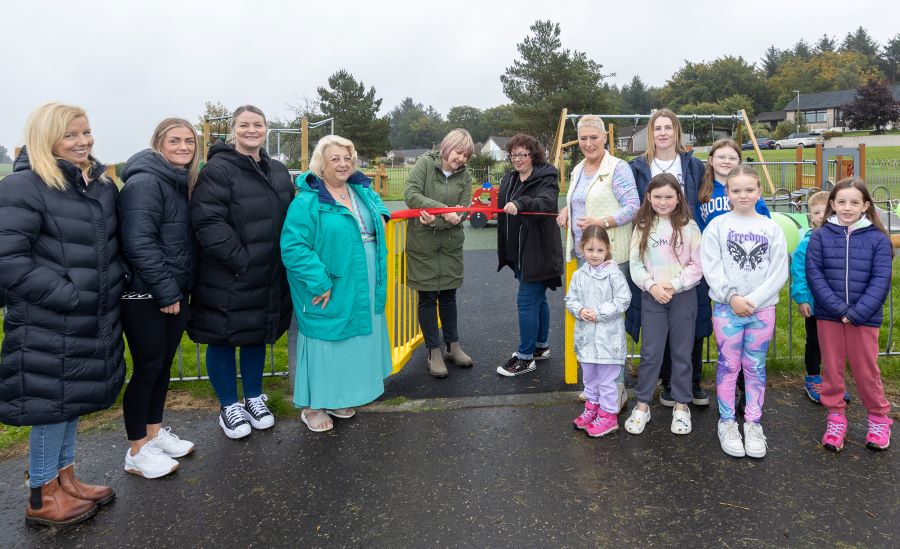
(546, 77)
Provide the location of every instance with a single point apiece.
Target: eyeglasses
(518, 156)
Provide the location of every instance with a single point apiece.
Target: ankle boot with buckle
(456, 355)
(74, 487)
(50, 505)
(436, 365)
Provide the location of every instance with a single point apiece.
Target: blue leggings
(222, 370)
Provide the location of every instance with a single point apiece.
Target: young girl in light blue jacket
(597, 297)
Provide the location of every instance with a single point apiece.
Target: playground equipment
(486, 197)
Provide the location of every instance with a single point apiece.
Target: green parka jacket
(435, 252)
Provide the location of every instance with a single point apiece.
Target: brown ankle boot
(436, 365)
(74, 487)
(50, 505)
(455, 355)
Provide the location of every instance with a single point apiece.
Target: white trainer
(638, 420)
(150, 462)
(171, 445)
(681, 421)
(257, 413)
(730, 438)
(232, 422)
(754, 440)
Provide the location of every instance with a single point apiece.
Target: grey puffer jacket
(606, 292)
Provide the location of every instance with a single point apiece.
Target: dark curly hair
(532, 145)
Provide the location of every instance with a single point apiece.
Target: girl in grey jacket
(597, 297)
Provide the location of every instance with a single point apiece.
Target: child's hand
(741, 305)
(804, 309)
(845, 320)
(587, 315)
(660, 295)
(667, 286)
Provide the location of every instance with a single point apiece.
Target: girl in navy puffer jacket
(849, 302)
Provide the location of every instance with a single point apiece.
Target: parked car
(763, 142)
(800, 139)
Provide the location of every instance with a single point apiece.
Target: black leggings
(153, 338)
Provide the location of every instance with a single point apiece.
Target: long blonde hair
(46, 126)
(159, 135)
(650, 153)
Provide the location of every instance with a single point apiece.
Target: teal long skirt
(349, 372)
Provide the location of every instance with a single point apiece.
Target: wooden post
(758, 152)
(739, 135)
(611, 139)
(382, 179)
(821, 171)
(304, 144)
(556, 154)
(862, 161)
(205, 141)
(798, 157)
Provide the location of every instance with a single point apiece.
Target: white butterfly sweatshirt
(746, 256)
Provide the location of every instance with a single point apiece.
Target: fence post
(798, 156)
(820, 169)
(862, 161)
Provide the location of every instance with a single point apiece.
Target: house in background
(496, 147)
(824, 110)
(769, 118)
(406, 156)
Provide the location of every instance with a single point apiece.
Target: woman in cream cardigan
(601, 192)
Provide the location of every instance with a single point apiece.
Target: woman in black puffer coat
(241, 298)
(159, 245)
(62, 354)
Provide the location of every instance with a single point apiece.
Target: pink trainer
(835, 431)
(587, 416)
(879, 435)
(603, 424)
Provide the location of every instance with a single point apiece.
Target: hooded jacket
(435, 252)
(606, 292)
(62, 354)
(322, 250)
(155, 228)
(237, 213)
(531, 244)
(848, 270)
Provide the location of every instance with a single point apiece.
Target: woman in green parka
(333, 248)
(434, 245)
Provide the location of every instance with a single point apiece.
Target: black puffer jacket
(62, 353)
(237, 212)
(155, 228)
(531, 243)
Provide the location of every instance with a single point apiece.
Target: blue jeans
(222, 370)
(534, 317)
(50, 448)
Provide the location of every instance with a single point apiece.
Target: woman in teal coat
(333, 247)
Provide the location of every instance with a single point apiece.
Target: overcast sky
(132, 63)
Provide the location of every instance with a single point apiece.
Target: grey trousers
(676, 320)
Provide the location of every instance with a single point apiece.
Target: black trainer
(542, 353)
(515, 366)
(665, 394)
(700, 396)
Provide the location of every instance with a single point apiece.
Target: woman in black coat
(62, 354)
(157, 241)
(241, 298)
(531, 246)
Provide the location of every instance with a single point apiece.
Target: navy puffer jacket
(849, 272)
(155, 226)
(237, 213)
(62, 353)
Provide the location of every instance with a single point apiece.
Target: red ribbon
(410, 214)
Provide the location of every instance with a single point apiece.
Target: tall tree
(830, 71)
(826, 43)
(802, 50)
(548, 78)
(220, 120)
(890, 59)
(4, 155)
(469, 118)
(636, 97)
(874, 107)
(499, 121)
(415, 126)
(860, 41)
(355, 112)
(713, 81)
(772, 60)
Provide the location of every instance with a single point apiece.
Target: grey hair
(593, 121)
